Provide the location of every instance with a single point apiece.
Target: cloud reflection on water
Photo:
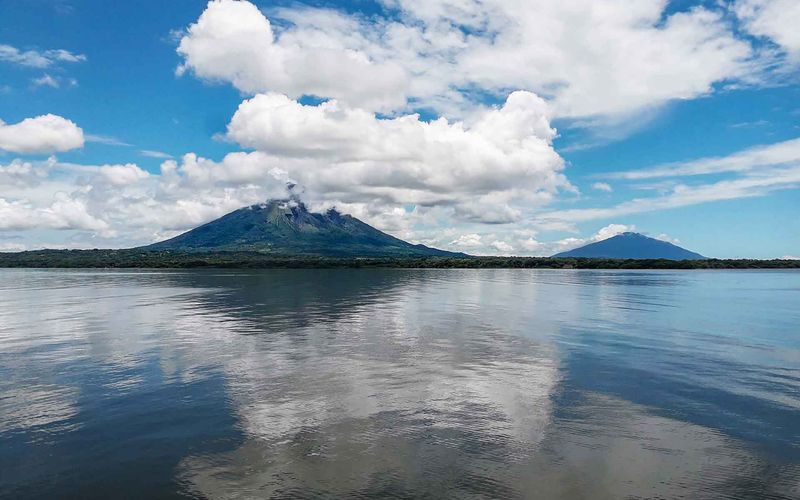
(410, 382)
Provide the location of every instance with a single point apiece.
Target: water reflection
(401, 383)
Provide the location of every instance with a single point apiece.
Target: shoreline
(139, 259)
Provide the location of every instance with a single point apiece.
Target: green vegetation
(138, 258)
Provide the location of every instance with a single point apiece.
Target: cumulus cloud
(136, 207)
(531, 245)
(471, 240)
(183, 195)
(124, 205)
(65, 212)
(502, 247)
(235, 169)
(142, 207)
(499, 155)
(42, 134)
(122, 175)
(233, 41)
(20, 173)
(590, 58)
(599, 58)
(38, 59)
(603, 62)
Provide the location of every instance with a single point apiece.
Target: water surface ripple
(399, 384)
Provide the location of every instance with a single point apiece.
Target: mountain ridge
(630, 245)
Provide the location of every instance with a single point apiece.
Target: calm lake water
(400, 383)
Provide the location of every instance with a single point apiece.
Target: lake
(399, 384)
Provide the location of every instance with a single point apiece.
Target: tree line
(253, 260)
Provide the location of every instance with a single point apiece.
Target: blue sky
(539, 126)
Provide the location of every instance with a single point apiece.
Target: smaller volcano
(632, 246)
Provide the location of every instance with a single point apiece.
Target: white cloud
(790, 257)
(38, 59)
(140, 207)
(104, 139)
(752, 124)
(589, 58)
(756, 171)
(235, 169)
(777, 20)
(65, 212)
(525, 242)
(155, 154)
(610, 231)
(667, 238)
(502, 247)
(471, 240)
(335, 152)
(233, 41)
(531, 245)
(606, 62)
(493, 208)
(754, 158)
(681, 195)
(196, 190)
(124, 205)
(602, 186)
(21, 173)
(42, 134)
(45, 81)
(600, 58)
(123, 175)
(603, 62)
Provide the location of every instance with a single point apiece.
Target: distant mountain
(632, 246)
(287, 228)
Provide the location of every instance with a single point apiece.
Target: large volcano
(286, 228)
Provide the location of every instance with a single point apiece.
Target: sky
(498, 127)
